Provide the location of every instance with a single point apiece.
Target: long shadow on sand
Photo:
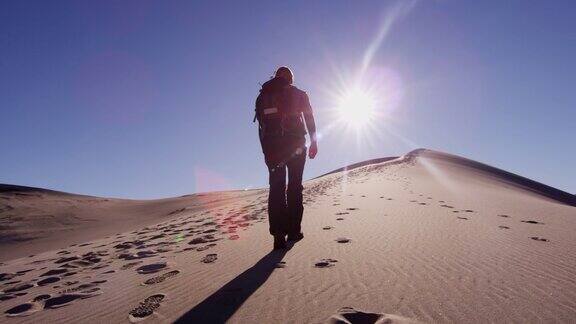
(221, 305)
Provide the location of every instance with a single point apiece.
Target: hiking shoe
(295, 237)
(279, 242)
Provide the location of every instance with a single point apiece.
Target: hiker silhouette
(284, 113)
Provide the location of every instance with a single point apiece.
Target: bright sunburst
(356, 108)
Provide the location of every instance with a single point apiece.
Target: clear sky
(147, 99)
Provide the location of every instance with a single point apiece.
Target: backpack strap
(257, 104)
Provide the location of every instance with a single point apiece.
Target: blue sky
(148, 99)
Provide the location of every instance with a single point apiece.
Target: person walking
(284, 113)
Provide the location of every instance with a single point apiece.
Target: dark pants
(285, 207)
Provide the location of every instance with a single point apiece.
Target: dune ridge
(505, 176)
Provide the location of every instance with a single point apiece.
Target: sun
(356, 108)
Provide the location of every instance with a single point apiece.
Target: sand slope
(35, 220)
(427, 237)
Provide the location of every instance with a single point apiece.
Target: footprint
(210, 258)
(352, 208)
(130, 265)
(99, 281)
(540, 239)
(205, 247)
(342, 213)
(327, 228)
(281, 264)
(351, 315)
(342, 240)
(4, 297)
(86, 288)
(23, 309)
(469, 210)
(503, 227)
(139, 255)
(19, 287)
(446, 206)
(152, 268)
(462, 218)
(423, 203)
(7, 276)
(66, 299)
(161, 278)
(53, 272)
(532, 222)
(21, 272)
(146, 308)
(505, 216)
(48, 280)
(100, 266)
(325, 263)
(339, 218)
(201, 240)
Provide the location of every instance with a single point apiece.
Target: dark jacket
(298, 106)
(297, 116)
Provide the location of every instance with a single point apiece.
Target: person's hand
(313, 150)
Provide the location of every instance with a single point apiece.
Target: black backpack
(276, 111)
(281, 128)
(271, 107)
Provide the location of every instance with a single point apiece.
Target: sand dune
(426, 237)
(35, 220)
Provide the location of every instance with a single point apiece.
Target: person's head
(285, 73)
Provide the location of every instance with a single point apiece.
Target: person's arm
(310, 125)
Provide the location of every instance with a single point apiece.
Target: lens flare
(356, 108)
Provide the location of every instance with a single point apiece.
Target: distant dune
(497, 174)
(36, 220)
(360, 164)
(425, 237)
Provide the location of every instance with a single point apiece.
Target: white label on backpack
(269, 111)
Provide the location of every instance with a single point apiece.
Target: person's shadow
(221, 305)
